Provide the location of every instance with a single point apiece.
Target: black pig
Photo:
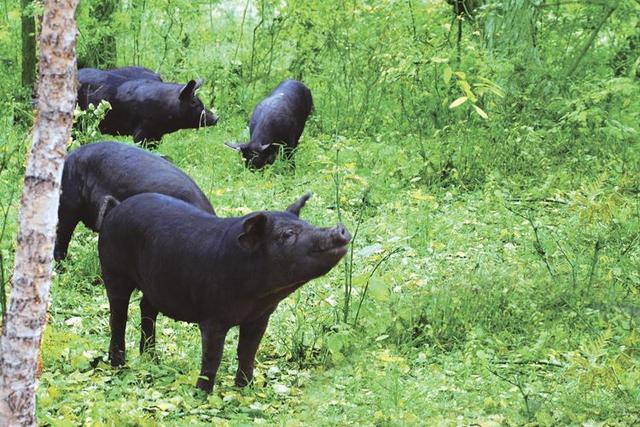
(142, 105)
(96, 85)
(217, 272)
(278, 119)
(96, 170)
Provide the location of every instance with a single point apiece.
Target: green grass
(464, 324)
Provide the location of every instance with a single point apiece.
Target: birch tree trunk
(31, 280)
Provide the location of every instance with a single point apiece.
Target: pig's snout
(333, 240)
(210, 119)
(341, 236)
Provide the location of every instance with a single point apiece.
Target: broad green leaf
(458, 102)
(481, 112)
(281, 389)
(405, 313)
(334, 343)
(447, 75)
(467, 90)
(378, 288)
(370, 250)
(359, 280)
(166, 406)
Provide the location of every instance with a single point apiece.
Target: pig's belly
(175, 303)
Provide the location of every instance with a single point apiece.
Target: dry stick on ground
(539, 200)
(26, 312)
(502, 363)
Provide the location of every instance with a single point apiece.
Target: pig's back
(135, 73)
(297, 95)
(287, 106)
(121, 171)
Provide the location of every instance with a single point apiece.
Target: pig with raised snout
(217, 272)
(142, 105)
(95, 171)
(278, 119)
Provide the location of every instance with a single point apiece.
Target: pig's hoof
(59, 255)
(59, 268)
(117, 358)
(95, 362)
(242, 380)
(205, 385)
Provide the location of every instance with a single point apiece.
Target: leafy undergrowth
(494, 306)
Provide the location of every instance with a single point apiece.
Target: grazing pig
(278, 120)
(142, 104)
(102, 169)
(97, 85)
(217, 272)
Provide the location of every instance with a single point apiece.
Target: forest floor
(464, 321)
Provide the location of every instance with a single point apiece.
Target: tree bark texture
(26, 313)
(28, 21)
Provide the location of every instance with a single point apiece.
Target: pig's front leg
(250, 335)
(66, 224)
(145, 137)
(213, 335)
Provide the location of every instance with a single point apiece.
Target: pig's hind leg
(66, 225)
(148, 316)
(119, 292)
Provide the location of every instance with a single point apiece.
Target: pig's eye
(288, 234)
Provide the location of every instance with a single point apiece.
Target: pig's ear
(199, 84)
(299, 204)
(263, 147)
(254, 228)
(235, 145)
(188, 91)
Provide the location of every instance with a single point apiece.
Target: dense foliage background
(488, 166)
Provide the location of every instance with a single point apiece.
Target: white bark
(31, 280)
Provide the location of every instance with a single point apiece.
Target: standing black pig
(102, 169)
(217, 272)
(142, 104)
(278, 119)
(96, 85)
